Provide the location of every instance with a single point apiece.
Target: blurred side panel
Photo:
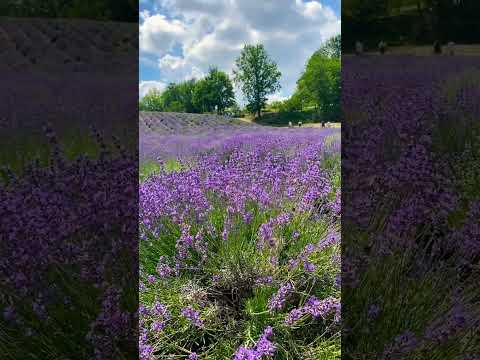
(68, 179)
(411, 178)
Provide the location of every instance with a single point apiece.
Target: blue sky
(181, 39)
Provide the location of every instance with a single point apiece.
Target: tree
(201, 99)
(364, 10)
(152, 101)
(179, 97)
(332, 47)
(320, 84)
(221, 89)
(185, 90)
(215, 91)
(257, 75)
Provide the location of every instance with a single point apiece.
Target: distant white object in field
(327, 124)
(382, 47)
(290, 124)
(299, 124)
(358, 48)
(437, 47)
(451, 48)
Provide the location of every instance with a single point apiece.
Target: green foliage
(320, 83)
(332, 48)
(152, 101)
(150, 168)
(175, 98)
(257, 75)
(364, 10)
(201, 98)
(179, 97)
(235, 111)
(282, 118)
(294, 103)
(239, 312)
(17, 152)
(317, 97)
(215, 91)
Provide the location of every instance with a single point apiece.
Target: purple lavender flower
(292, 263)
(277, 301)
(309, 267)
(264, 280)
(446, 326)
(157, 326)
(193, 316)
(146, 352)
(373, 311)
(293, 316)
(163, 269)
(161, 310)
(322, 308)
(193, 356)
(263, 347)
(402, 344)
(244, 353)
(9, 313)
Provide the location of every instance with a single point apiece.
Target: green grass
(19, 151)
(149, 168)
(280, 119)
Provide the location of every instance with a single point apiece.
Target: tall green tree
(179, 97)
(152, 101)
(201, 99)
(221, 89)
(185, 90)
(215, 91)
(332, 47)
(320, 83)
(257, 75)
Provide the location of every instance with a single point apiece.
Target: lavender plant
(409, 168)
(243, 231)
(68, 248)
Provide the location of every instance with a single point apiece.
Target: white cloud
(276, 97)
(158, 34)
(213, 32)
(145, 86)
(175, 68)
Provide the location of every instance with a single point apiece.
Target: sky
(181, 39)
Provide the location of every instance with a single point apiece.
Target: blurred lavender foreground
(410, 207)
(68, 189)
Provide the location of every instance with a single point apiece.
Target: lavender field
(66, 74)
(65, 188)
(239, 249)
(410, 163)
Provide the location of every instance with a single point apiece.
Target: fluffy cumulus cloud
(145, 86)
(158, 34)
(186, 37)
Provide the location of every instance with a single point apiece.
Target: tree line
(424, 22)
(213, 93)
(257, 76)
